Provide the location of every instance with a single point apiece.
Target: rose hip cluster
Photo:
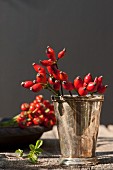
(50, 77)
(89, 85)
(38, 112)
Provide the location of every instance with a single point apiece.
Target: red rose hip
(82, 91)
(88, 78)
(78, 82)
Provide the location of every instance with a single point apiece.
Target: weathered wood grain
(50, 157)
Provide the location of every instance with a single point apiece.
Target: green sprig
(34, 152)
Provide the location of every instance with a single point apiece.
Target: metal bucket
(78, 119)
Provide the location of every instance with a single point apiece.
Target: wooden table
(50, 157)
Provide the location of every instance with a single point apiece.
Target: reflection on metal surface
(78, 120)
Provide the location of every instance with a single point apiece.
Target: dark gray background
(84, 28)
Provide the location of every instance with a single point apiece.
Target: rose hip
(88, 78)
(41, 78)
(47, 62)
(78, 82)
(27, 84)
(68, 85)
(56, 85)
(50, 53)
(102, 88)
(100, 79)
(61, 53)
(82, 91)
(91, 87)
(38, 68)
(36, 87)
(51, 80)
(63, 76)
(53, 71)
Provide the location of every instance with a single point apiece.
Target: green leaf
(19, 152)
(38, 150)
(33, 157)
(31, 153)
(38, 144)
(31, 146)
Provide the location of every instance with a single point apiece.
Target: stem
(77, 92)
(70, 93)
(60, 82)
(61, 88)
(51, 89)
(7, 123)
(92, 94)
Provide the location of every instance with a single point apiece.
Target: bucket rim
(95, 97)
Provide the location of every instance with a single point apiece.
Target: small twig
(60, 83)
(70, 93)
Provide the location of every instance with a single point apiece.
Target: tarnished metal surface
(78, 120)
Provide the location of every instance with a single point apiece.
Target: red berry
(30, 116)
(46, 103)
(92, 86)
(32, 108)
(27, 84)
(39, 98)
(84, 84)
(23, 114)
(39, 112)
(41, 78)
(46, 122)
(50, 114)
(24, 106)
(20, 119)
(61, 53)
(46, 62)
(96, 80)
(51, 80)
(53, 71)
(35, 101)
(37, 121)
(29, 124)
(63, 76)
(32, 104)
(51, 107)
(38, 68)
(52, 122)
(41, 116)
(102, 88)
(39, 105)
(50, 53)
(56, 85)
(68, 85)
(22, 125)
(82, 91)
(36, 87)
(100, 78)
(88, 78)
(78, 82)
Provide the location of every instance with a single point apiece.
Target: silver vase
(78, 120)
